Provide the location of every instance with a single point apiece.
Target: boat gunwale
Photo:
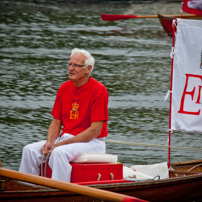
(146, 185)
(139, 183)
(21, 190)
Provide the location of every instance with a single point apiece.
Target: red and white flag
(192, 6)
(186, 108)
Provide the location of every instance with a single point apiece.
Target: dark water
(132, 61)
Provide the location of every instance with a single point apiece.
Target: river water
(132, 61)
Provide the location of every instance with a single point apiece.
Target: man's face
(78, 73)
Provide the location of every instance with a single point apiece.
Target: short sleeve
(57, 107)
(99, 108)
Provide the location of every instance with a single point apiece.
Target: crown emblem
(75, 106)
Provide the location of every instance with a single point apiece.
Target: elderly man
(81, 108)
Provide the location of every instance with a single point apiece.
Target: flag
(192, 6)
(186, 108)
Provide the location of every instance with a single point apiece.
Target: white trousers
(59, 158)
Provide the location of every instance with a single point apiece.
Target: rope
(46, 161)
(42, 164)
(195, 167)
(47, 157)
(154, 145)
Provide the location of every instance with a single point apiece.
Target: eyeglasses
(74, 65)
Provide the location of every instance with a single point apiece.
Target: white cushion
(96, 158)
(153, 170)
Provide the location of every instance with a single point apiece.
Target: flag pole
(171, 88)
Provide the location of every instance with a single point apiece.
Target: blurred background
(132, 61)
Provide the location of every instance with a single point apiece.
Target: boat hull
(166, 22)
(181, 188)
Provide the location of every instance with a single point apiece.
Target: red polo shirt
(78, 107)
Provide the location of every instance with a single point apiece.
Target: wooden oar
(111, 17)
(84, 190)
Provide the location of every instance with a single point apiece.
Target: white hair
(90, 61)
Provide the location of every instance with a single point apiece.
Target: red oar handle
(114, 17)
(111, 17)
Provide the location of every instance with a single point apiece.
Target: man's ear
(88, 68)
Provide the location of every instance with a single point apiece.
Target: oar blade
(111, 17)
(133, 199)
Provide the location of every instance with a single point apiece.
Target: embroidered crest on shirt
(74, 114)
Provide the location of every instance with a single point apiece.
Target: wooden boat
(184, 184)
(166, 22)
(192, 7)
(195, 12)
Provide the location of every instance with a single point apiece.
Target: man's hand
(46, 148)
(52, 148)
(53, 132)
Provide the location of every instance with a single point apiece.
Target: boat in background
(166, 23)
(188, 6)
(184, 184)
(192, 7)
